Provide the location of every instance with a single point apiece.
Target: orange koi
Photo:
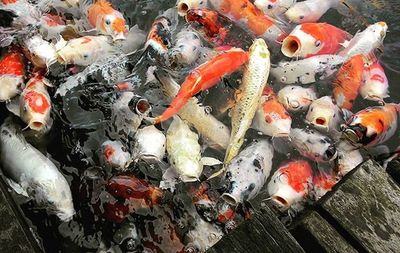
(204, 77)
(348, 81)
(12, 70)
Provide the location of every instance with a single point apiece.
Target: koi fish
(322, 183)
(159, 37)
(306, 71)
(324, 115)
(12, 70)
(214, 133)
(247, 173)
(40, 52)
(51, 26)
(312, 10)
(104, 18)
(32, 174)
(83, 51)
(376, 85)
(34, 104)
(290, 184)
(184, 151)
(184, 6)
(313, 145)
(348, 82)
(311, 39)
(204, 77)
(365, 42)
(66, 6)
(254, 79)
(274, 8)
(149, 144)
(249, 18)
(115, 155)
(217, 29)
(186, 49)
(131, 188)
(371, 126)
(271, 118)
(349, 158)
(296, 98)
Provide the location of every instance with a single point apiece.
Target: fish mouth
(331, 153)
(320, 121)
(61, 59)
(291, 46)
(230, 199)
(36, 125)
(189, 179)
(119, 37)
(280, 202)
(281, 135)
(351, 135)
(183, 8)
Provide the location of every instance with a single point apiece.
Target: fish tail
(174, 108)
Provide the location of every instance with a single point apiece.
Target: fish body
(149, 144)
(84, 51)
(40, 52)
(310, 10)
(203, 236)
(204, 77)
(217, 29)
(348, 82)
(365, 42)
(348, 158)
(306, 71)
(186, 49)
(290, 184)
(247, 173)
(115, 155)
(274, 8)
(34, 172)
(271, 118)
(184, 151)
(51, 26)
(371, 126)
(159, 37)
(131, 188)
(313, 145)
(322, 183)
(376, 85)
(104, 18)
(249, 18)
(311, 39)
(214, 132)
(12, 70)
(254, 79)
(296, 98)
(324, 115)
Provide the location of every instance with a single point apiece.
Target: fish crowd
(176, 129)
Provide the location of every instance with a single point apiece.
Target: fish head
(190, 169)
(359, 134)
(80, 51)
(115, 26)
(301, 13)
(183, 6)
(259, 48)
(115, 154)
(295, 98)
(378, 30)
(10, 86)
(205, 20)
(139, 106)
(322, 113)
(302, 42)
(376, 84)
(56, 198)
(266, 5)
(42, 54)
(290, 184)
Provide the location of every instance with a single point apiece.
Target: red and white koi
(115, 155)
(371, 126)
(322, 183)
(271, 118)
(12, 71)
(311, 39)
(51, 26)
(290, 184)
(376, 85)
(159, 37)
(296, 98)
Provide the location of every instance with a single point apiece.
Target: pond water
(81, 124)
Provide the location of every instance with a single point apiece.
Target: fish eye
(301, 17)
(317, 43)
(85, 56)
(108, 22)
(270, 6)
(330, 152)
(166, 42)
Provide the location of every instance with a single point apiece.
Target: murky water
(87, 111)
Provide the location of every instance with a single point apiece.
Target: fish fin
(210, 161)
(85, 4)
(13, 106)
(61, 43)
(17, 187)
(218, 173)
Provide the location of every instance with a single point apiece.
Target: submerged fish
(247, 173)
(184, 151)
(376, 85)
(371, 126)
(40, 52)
(255, 78)
(159, 36)
(34, 173)
(12, 70)
(274, 8)
(186, 49)
(311, 39)
(149, 144)
(296, 98)
(290, 184)
(115, 155)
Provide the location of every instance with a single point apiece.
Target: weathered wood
(15, 235)
(262, 234)
(366, 206)
(315, 234)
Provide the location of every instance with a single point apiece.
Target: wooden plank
(264, 233)
(366, 205)
(315, 234)
(15, 235)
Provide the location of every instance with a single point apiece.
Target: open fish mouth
(291, 46)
